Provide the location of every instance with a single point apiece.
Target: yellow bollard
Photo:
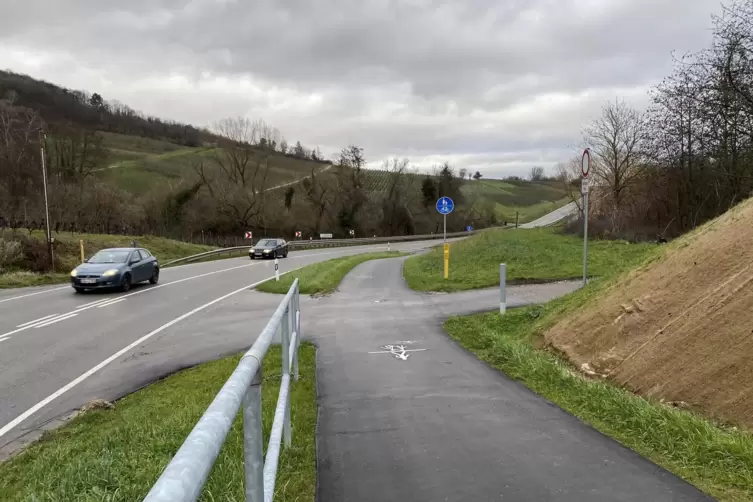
(81, 245)
(446, 261)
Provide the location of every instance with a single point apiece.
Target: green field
(323, 277)
(531, 255)
(117, 454)
(138, 165)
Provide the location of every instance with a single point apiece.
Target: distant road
(553, 217)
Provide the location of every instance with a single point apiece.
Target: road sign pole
(445, 205)
(585, 168)
(585, 238)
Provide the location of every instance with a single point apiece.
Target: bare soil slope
(680, 328)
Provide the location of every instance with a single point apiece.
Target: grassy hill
(115, 170)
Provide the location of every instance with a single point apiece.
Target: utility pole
(42, 142)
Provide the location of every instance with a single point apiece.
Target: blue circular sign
(445, 205)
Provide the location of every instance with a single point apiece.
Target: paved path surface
(105, 345)
(553, 217)
(440, 425)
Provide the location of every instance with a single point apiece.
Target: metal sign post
(585, 167)
(445, 205)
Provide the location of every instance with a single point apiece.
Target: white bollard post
(277, 269)
(502, 284)
(388, 246)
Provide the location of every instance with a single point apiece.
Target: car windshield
(267, 243)
(110, 257)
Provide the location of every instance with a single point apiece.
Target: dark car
(115, 268)
(269, 248)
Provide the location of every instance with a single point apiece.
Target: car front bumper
(260, 254)
(99, 282)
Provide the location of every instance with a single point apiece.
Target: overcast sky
(492, 85)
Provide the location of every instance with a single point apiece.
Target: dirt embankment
(680, 328)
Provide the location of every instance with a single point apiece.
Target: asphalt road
(553, 217)
(59, 350)
(434, 423)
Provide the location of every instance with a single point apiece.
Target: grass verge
(68, 254)
(118, 454)
(530, 254)
(716, 459)
(323, 277)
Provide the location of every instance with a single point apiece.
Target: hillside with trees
(686, 159)
(114, 170)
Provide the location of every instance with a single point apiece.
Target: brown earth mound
(680, 328)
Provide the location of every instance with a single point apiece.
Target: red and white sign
(585, 162)
(248, 235)
(298, 234)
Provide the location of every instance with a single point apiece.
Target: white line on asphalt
(44, 402)
(107, 304)
(36, 321)
(105, 300)
(53, 321)
(2, 339)
(33, 294)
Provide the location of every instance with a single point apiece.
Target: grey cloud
(429, 55)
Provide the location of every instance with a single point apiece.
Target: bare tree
(239, 175)
(616, 140)
(537, 173)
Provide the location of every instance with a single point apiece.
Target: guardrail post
(253, 439)
(297, 330)
(285, 340)
(502, 286)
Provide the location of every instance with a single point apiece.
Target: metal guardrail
(187, 473)
(322, 243)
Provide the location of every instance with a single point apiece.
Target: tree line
(686, 159)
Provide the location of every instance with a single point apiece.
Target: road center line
(36, 321)
(53, 321)
(44, 402)
(107, 304)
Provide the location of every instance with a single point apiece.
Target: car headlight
(74, 272)
(111, 272)
(266, 250)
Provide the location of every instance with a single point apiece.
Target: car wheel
(79, 290)
(286, 254)
(126, 286)
(251, 256)
(155, 277)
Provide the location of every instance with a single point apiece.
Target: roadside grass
(117, 454)
(68, 254)
(323, 277)
(715, 458)
(531, 255)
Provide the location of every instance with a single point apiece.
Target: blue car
(115, 268)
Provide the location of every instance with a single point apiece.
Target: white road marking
(2, 339)
(53, 321)
(44, 402)
(105, 300)
(107, 304)
(33, 294)
(398, 350)
(36, 321)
